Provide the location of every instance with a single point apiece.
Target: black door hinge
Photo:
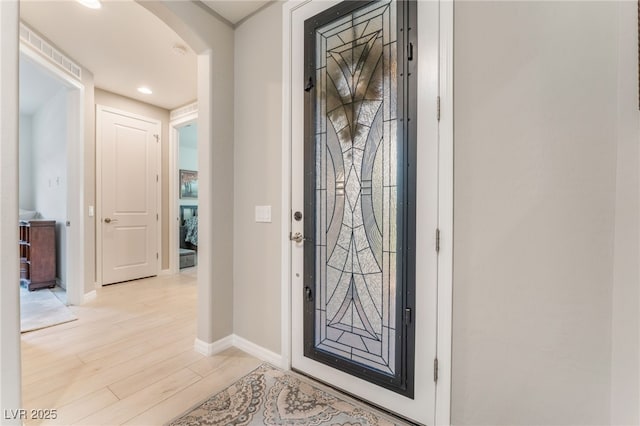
(410, 52)
(435, 370)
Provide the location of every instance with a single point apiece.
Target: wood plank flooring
(128, 359)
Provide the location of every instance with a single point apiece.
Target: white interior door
(420, 407)
(129, 181)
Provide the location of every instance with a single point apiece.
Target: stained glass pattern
(356, 192)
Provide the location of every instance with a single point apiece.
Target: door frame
(445, 215)
(75, 250)
(98, 213)
(178, 118)
(445, 202)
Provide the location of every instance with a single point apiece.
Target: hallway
(128, 358)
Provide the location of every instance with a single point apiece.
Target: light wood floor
(128, 359)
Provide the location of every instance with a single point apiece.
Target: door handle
(109, 220)
(297, 237)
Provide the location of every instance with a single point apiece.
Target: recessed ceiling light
(145, 90)
(91, 4)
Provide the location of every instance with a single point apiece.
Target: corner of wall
(10, 379)
(625, 323)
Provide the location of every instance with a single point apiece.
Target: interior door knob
(109, 220)
(297, 237)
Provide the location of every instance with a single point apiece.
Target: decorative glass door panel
(359, 189)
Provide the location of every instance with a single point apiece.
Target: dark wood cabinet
(38, 253)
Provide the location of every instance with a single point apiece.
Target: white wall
(49, 157)
(535, 103)
(25, 193)
(625, 354)
(257, 166)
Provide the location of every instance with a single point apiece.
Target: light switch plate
(263, 214)
(91, 212)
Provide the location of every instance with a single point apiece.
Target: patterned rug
(268, 396)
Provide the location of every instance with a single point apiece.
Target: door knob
(297, 237)
(109, 220)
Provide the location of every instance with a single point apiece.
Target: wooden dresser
(38, 253)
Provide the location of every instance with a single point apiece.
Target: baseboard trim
(209, 349)
(88, 297)
(60, 284)
(258, 351)
(264, 354)
(164, 272)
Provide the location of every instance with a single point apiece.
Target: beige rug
(41, 309)
(268, 396)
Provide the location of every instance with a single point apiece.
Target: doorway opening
(183, 190)
(188, 195)
(50, 195)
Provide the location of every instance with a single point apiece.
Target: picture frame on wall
(188, 184)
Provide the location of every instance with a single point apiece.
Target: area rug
(269, 396)
(41, 309)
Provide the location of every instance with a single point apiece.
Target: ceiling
(235, 11)
(123, 44)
